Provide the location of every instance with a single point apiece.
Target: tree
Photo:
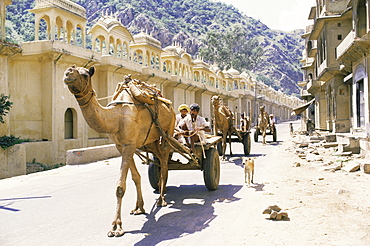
(5, 106)
(232, 48)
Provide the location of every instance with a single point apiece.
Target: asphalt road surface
(75, 205)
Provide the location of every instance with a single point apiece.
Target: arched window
(69, 124)
(111, 49)
(119, 50)
(152, 61)
(236, 85)
(97, 45)
(79, 36)
(157, 62)
(140, 58)
(44, 29)
(104, 47)
(124, 51)
(169, 67)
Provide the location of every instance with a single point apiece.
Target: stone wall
(13, 161)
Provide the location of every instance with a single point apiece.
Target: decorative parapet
(63, 4)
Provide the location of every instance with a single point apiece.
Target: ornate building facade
(336, 68)
(44, 110)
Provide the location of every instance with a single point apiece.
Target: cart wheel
(219, 148)
(154, 172)
(247, 144)
(274, 135)
(211, 169)
(256, 136)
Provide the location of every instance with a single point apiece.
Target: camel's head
(78, 78)
(216, 100)
(262, 108)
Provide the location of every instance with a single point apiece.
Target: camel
(129, 124)
(263, 123)
(223, 122)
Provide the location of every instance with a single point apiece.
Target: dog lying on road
(248, 170)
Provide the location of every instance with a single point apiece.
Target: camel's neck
(216, 111)
(99, 118)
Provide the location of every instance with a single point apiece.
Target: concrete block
(331, 138)
(312, 157)
(342, 153)
(353, 146)
(329, 145)
(351, 167)
(91, 154)
(365, 167)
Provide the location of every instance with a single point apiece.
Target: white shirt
(199, 122)
(178, 119)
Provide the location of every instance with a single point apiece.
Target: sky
(284, 15)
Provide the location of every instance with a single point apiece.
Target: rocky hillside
(186, 22)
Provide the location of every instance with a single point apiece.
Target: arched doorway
(69, 124)
(359, 96)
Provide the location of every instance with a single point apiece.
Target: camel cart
(270, 130)
(245, 140)
(205, 157)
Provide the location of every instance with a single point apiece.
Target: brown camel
(129, 124)
(223, 122)
(263, 122)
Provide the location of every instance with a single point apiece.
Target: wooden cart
(246, 141)
(204, 158)
(271, 130)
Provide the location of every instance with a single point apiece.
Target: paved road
(74, 205)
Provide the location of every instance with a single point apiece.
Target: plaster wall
(4, 89)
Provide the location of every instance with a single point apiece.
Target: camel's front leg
(127, 153)
(139, 208)
(264, 136)
(224, 140)
(231, 153)
(163, 176)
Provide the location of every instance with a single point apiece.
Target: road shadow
(193, 211)
(258, 186)
(274, 143)
(11, 201)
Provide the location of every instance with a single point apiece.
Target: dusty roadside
(331, 205)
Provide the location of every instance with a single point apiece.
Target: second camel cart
(245, 140)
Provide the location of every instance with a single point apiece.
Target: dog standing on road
(248, 170)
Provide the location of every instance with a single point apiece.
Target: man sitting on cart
(195, 125)
(184, 111)
(244, 123)
(272, 122)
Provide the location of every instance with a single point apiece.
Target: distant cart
(270, 130)
(245, 140)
